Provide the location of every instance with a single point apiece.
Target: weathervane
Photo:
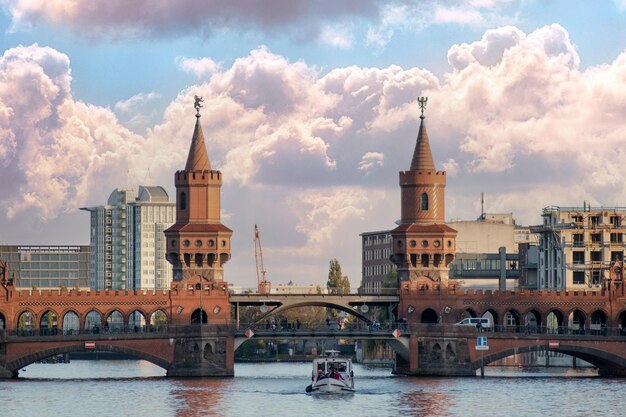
(197, 105)
(421, 101)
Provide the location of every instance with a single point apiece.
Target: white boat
(331, 374)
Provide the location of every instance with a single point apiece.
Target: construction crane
(264, 286)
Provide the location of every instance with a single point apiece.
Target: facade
(578, 245)
(423, 245)
(48, 267)
(376, 263)
(127, 242)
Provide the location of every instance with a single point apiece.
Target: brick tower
(198, 244)
(423, 245)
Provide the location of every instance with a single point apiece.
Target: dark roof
(198, 159)
(424, 228)
(198, 227)
(422, 156)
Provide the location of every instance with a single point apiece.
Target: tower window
(424, 202)
(182, 201)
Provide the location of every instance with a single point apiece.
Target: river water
(139, 389)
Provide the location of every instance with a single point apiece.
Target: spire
(198, 159)
(422, 156)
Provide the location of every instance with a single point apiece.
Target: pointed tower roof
(422, 156)
(198, 159)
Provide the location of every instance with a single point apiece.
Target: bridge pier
(203, 356)
(436, 356)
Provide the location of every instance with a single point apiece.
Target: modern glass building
(127, 240)
(48, 267)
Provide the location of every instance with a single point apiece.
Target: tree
(337, 282)
(391, 279)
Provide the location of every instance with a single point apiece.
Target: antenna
(482, 205)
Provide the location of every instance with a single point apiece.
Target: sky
(309, 112)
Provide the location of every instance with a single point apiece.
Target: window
(616, 221)
(182, 201)
(578, 257)
(424, 202)
(596, 256)
(595, 277)
(617, 256)
(616, 237)
(578, 240)
(594, 221)
(596, 238)
(579, 277)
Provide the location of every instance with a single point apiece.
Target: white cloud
(620, 4)
(371, 161)
(135, 101)
(459, 15)
(337, 36)
(201, 68)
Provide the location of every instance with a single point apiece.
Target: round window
(399, 243)
(413, 243)
(198, 243)
(186, 243)
(223, 243)
(424, 243)
(173, 243)
(211, 243)
(449, 243)
(436, 243)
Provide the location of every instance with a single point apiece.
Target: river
(112, 388)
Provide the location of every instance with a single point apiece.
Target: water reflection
(200, 397)
(426, 399)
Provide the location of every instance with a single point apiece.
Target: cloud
(620, 4)
(339, 37)
(370, 161)
(515, 117)
(201, 68)
(130, 104)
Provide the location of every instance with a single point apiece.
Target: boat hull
(330, 385)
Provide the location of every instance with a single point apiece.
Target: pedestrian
(298, 324)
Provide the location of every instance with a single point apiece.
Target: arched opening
(554, 322)
(93, 322)
(136, 321)
(115, 322)
(492, 316)
(158, 320)
(71, 323)
(621, 324)
(425, 259)
(467, 313)
(576, 322)
(48, 324)
(424, 201)
(598, 322)
(2, 321)
(435, 353)
(429, 316)
(195, 317)
(532, 321)
(208, 351)
(512, 321)
(25, 323)
(182, 201)
(450, 353)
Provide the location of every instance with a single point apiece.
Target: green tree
(391, 280)
(337, 282)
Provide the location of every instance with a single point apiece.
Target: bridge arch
(492, 315)
(313, 303)
(70, 322)
(16, 365)
(577, 319)
(606, 362)
(92, 319)
(25, 321)
(429, 316)
(554, 321)
(48, 322)
(114, 320)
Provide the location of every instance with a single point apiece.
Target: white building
(127, 240)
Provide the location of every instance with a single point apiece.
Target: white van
(485, 322)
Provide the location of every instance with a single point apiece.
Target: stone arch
(599, 321)
(158, 320)
(606, 362)
(435, 352)
(621, 323)
(577, 321)
(467, 313)
(24, 361)
(450, 353)
(208, 350)
(532, 320)
(429, 316)
(281, 308)
(48, 323)
(491, 315)
(137, 321)
(115, 321)
(93, 321)
(195, 316)
(26, 323)
(512, 320)
(70, 324)
(554, 322)
(3, 321)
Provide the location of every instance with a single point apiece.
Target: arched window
(424, 202)
(182, 201)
